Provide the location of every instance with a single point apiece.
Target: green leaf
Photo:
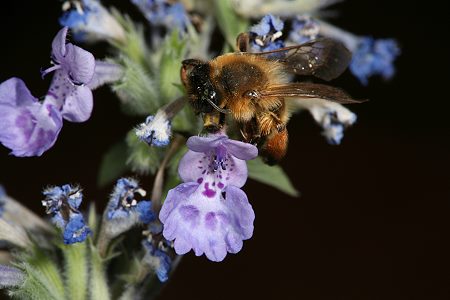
(173, 52)
(113, 164)
(271, 175)
(76, 270)
(230, 23)
(137, 90)
(43, 278)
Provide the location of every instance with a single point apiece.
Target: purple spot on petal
(208, 192)
(223, 218)
(200, 180)
(220, 185)
(189, 212)
(228, 178)
(214, 183)
(204, 171)
(210, 221)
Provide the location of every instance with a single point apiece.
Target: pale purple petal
(29, 130)
(174, 197)
(14, 92)
(208, 223)
(204, 144)
(197, 167)
(79, 63)
(59, 45)
(105, 72)
(241, 150)
(78, 105)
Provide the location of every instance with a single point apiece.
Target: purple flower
(30, 127)
(374, 57)
(209, 213)
(62, 204)
(265, 34)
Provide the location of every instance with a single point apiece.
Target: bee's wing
(323, 58)
(309, 90)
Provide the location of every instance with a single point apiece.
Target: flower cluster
(266, 34)
(62, 204)
(209, 213)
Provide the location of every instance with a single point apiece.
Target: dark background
(372, 221)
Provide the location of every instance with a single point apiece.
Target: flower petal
(210, 225)
(79, 63)
(196, 167)
(76, 230)
(29, 130)
(14, 92)
(78, 105)
(204, 144)
(59, 45)
(241, 150)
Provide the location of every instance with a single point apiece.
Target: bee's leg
(275, 147)
(250, 131)
(243, 42)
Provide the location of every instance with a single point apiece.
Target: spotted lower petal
(210, 223)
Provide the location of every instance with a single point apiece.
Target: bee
(252, 88)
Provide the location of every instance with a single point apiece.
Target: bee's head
(195, 76)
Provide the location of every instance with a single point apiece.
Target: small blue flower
(331, 116)
(164, 13)
(62, 204)
(374, 57)
(265, 34)
(304, 29)
(123, 203)
(76, 230)
(158, 258)
(90, 20)
(156, 130)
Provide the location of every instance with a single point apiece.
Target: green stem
(76, 270)
(98, 281)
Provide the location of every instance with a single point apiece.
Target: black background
(372, 222)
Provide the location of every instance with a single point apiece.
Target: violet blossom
(30, 127)
(209, 213)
